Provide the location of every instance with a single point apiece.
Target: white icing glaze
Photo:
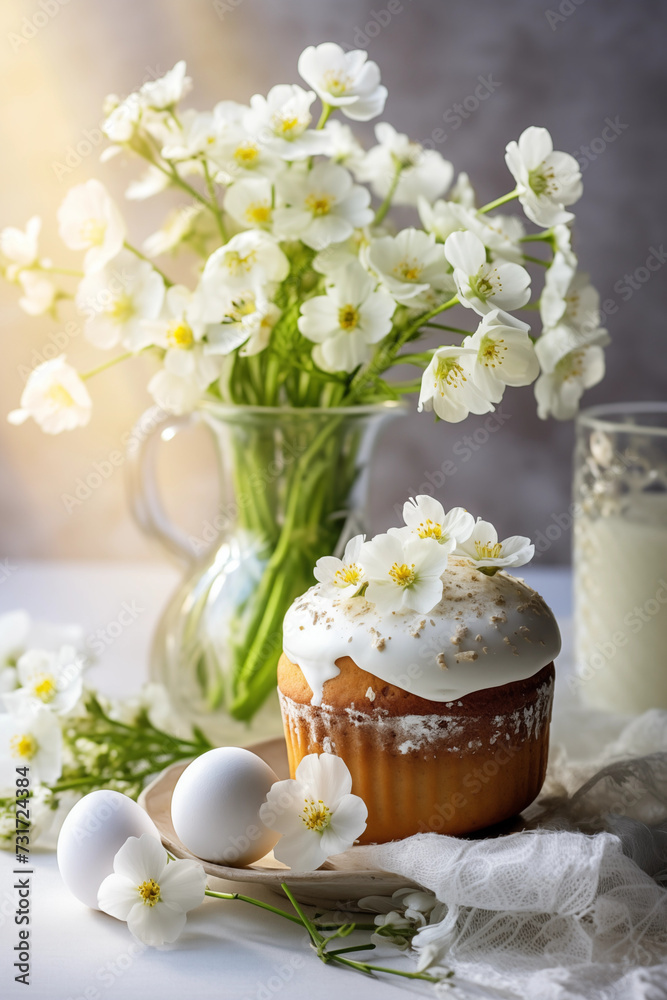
(485, 632)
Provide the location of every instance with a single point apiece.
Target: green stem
(498, 202)
(386, 204)
(537, 237)
(107, 364)
(324, 117)
(68, 271)
(214, 203)
(536, 260)
(254, 902)
(450, 329)
(142, 256)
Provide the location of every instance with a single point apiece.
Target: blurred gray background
(570, 65)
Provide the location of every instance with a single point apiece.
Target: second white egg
(215, 807)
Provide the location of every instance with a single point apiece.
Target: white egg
(215, 807)
(94, 831)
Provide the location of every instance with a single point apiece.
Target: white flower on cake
(559, 390)
(30, 737)
(118, 299)
(315, 812)
(404, 167)
(425, 517)
(250, 203)
(52, 679)
(342, 577)
(322, 207)
(248, 260)
(448, 385)
(505, 354)
(547, 181)
(89, 220)
(150, 892)
(487, 554)
(55, 397)
(403, 574)
(344, 80)
(347, 320)
(409, 264)
(279, 122)
(484, 286)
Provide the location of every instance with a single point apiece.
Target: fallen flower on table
(150, 892)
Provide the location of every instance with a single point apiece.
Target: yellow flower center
(149, 892)
(487, 550)
(335, 84)
(491, 352)
(571, 366)
(449, 373)
(409, 270)
(246, 154)
(348, 317)
(44, 688)
(289, 126)
(122, 309)
(319, 204)
(542, 180)
(180, 335)
(93, 232)
(429, 529)
(316, 816)
(59, 395)
(403, 575)
(243, 306)
(236, 264)
(258, 213)
(348, 575)
(23, 746)
(482, 286)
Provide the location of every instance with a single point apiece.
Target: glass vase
(293, 488)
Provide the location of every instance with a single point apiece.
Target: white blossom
(150, 892)
(341, 577)
(344, 147)
(403, 574)
(21, 247)
(321, 208)
(547, 181)
(248, 319)
(250, 203)
(505, 354)
(89, 220)
(409, 265)
(485, 552)
(315, 812)
(279, 122)
(249, 260)
(484, 286)
(423, 172)
(344, 80)
(448, 385)
(118, 299)
(425, 517)
(346, 321)
(165, 93)
(30, 737)
(559, 389)
(39, 293)
(55, 397)
(52, 679)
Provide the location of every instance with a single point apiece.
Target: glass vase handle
(152, 428)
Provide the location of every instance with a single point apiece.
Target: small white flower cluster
(295, 263)
(403, 569)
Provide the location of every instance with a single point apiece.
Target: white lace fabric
(573, 906)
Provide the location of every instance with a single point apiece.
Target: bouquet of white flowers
(305, 296)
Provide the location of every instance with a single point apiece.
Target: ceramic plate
(335, 887)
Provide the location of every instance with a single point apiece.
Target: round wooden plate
(332, 885)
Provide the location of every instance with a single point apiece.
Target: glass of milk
(620, 556)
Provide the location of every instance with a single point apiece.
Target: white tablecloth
(229, 950)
